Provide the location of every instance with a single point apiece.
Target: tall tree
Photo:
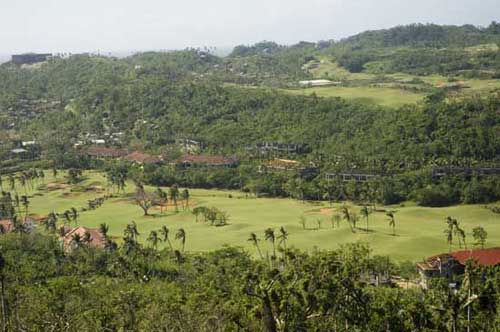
(480, 235)
(255, 240)
(392, 221)
(181, 235)
(269, 236)
(365, 212)
(164, 232)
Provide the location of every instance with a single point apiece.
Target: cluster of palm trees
(27, 179)
(269, 235)
(163, 235)
(452, 230)
(9, 204)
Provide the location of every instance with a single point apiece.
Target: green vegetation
(418, 229)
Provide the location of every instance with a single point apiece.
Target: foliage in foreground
(140, 289)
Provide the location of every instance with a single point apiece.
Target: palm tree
(392, 221)
(76, 240)
(132, 232)
(50, 222)
(103, 229)
(164, 233)
(185, 198)
(365, 212)
(255, 240)
(74, 215)
(181, 235)
(154, 239)
(283, 237)
(25, 202)
(163, 197)
(269, 236)
(174, 194)
(346, 215)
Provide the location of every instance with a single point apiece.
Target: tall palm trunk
(3, 304)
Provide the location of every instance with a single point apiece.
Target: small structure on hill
(358, 176)
(453, 263)
(287, 165)
(268, 147)
(316, 83)
(142, 158)
(188, 161)
(467, 172)
(73, 237)
(101, 152)
(7, 226)
(189, 145)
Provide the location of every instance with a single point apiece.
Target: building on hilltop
(142, 158)
(453, 263)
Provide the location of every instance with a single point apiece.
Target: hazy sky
(112, 25)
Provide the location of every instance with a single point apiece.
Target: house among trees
(101, 152)
(351, 176)
(142, 158)
(188, 161)
(453, 263)
(7, 226)
(287, 165)
(268, 147)
(188, 145)
(466, 172)
(72, 238)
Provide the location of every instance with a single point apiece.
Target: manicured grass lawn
(375, 95)
(419, 231)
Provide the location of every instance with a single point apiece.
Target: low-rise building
(452, 264)
(101, 152)
(82, 235)
(142, 158)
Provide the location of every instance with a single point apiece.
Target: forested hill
(425, 35)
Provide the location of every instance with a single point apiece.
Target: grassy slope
(419, 230)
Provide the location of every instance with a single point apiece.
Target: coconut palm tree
(25, 202)
(132, 232)
(365, 212)
(185, 198)
(164, 233)
(269, 236)
(181, 235)
(174, 194)
(255, 240)
(74, 215)
(283, 237)
(392, 221)
(162, 197)
(346, 215)
(154, 239)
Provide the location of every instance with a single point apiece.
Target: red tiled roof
(205, 159)
(96, 238)
(486, 257)
(142, 158)
(98, 151)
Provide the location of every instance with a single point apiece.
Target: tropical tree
(131, 231)
(269, 236)
(74, 215)
(479, 234)
(142, 198)
(365, 212)
(162, 198)
(255, 240)
(185, 198)
(283, 237)
(392, 221)
(335, 219)
(174, 195)
(153, 239)
(25, 202)
(181, 235)
(164, 232)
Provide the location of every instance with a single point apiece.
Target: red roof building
(453, 263)
(103, 152)
(142, 158)
(96, 239)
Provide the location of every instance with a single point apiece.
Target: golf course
(419, 231)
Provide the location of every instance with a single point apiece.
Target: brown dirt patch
(326, 210)
(57, 186)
